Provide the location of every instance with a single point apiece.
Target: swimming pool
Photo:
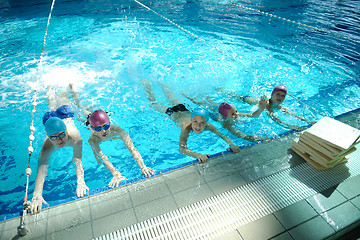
(106, 47)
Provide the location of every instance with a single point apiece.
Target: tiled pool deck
(326, 215)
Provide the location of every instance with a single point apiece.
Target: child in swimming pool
(61, 132)
(195, 121)
(103, 130)
(227, 114)
(278, 95)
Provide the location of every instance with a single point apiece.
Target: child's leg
(170, 95)
(250, 100)
(51, 98)
(212, 103)
(53, 102)
(151, 97)
(63, 98)
(195, 100)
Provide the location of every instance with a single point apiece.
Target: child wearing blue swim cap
(60, 132)
(195, 121)
(102, 129)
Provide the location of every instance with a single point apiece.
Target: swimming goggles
(99, 128)
(60, 136)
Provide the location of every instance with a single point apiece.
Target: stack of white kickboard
(327, 143)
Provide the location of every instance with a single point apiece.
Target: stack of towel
(327, 143)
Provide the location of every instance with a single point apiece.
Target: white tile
(68, 220)
(316, 228)
(192, 195)
(295, 214)
(113, 222)
(184, 181)
(211, 172)
(155, 208)
(111, 205)
(82, 231)
(261, 229)
(147, 192)
(232, 235)
(226, 183)
(68, 207)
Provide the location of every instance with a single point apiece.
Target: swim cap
(279, 88)
(224, 109)
(200, 111)
(54, 125)
(98, 117)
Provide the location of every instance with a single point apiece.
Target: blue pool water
(105, 47)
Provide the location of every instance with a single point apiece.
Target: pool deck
(329, 214)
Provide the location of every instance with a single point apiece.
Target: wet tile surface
(192, 195)
(316, 228)
(113, 222)
(295, 214)
(350, 188)
(261, 229)
(342, 216)
(155, 208)
(322, 202)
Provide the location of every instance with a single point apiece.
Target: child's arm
(237, 97)
(117, 177)
(281, 122)
(85, 109)
(286, 110)
(134, 152)
(240, 134)
(196, 101)
(184, 150)
(43, 164)
(213, 129)
(262, 105)
(81, 188)
(91, 142)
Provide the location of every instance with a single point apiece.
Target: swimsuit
(244, 97)
(178, 108)
(65, 111)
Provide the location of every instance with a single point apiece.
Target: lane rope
(291, 21)
(28, 171)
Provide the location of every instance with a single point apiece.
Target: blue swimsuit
(65, 111)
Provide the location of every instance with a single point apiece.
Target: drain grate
(224, 212)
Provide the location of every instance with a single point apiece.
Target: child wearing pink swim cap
(228, 115)
(195, 121)
(274, 103)
(102, 130)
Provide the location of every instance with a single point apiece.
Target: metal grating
(224, 212)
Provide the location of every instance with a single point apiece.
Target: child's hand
(262, 102)
(116, 180)
(36, 204)
(147, 171)
(258, 138)
(203, 158)
(81, 189)
(235, 148)
(297, 128)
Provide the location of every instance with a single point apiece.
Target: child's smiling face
(198, 124)
(278, 97)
